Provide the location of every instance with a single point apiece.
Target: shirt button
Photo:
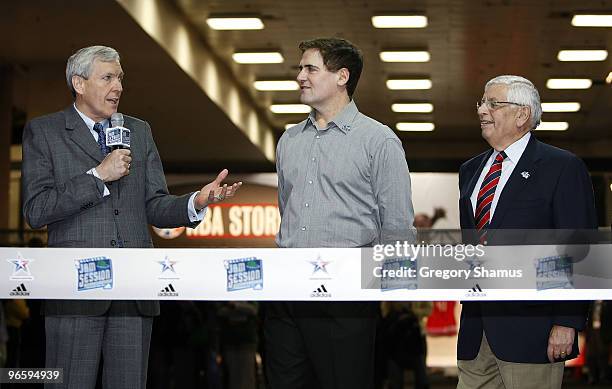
(303, 228)
(116, 212)
(306, 205)
(310, 182)
(313, 158)
(318, 137)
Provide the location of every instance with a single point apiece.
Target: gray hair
(80, 63)
(521, 91)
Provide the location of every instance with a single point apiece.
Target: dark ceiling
(470, 41)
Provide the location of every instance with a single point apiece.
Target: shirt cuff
(195, 216)
(94, 173)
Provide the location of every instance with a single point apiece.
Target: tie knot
(501, 156)
(98, 127)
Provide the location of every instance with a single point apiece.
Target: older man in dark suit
(520, 183)
(88, 196)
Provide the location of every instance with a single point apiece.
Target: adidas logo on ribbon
(321, 291)
(168, 291)
(20, 291)
(476, 291)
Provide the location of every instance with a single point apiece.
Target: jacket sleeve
(44, 199)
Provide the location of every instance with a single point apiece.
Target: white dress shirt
(513, 155)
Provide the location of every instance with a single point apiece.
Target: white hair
(521, 91)
(80, 63)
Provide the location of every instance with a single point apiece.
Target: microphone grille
(117, 120)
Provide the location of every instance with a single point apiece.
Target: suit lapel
(467, 192)
(80, 134)
(516, 182)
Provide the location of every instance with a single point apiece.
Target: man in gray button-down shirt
(343, 181)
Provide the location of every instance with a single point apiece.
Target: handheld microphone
(117, 136)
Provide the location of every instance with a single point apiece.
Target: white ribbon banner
(228, 274)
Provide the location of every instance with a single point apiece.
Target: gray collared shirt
(346, 185)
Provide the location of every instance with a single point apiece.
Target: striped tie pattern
(486, 193)
(101, 138)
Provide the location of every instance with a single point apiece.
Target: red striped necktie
(486, 193)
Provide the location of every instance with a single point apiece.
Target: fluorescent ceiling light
(553, 126)
(582, 55)
(235, 23)
(411, 126)
(277, 85)
(404, 56)
(260, 57)
(568, 83)
(408, 84)
(405, 21)
(561, 107)
(412, 107)
(290, 108)
(289, 125)
(592, 21)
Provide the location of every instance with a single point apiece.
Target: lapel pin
(525, 175)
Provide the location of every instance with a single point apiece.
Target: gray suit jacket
(58, 150)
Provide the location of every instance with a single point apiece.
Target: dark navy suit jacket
(557, 194)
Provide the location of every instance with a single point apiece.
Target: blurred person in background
(238, 342)
(405, 343)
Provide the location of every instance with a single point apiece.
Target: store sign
(231, 221)
(238, 221)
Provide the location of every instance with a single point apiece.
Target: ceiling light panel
(276, 85)
(235, 23)
(258, 57)
(582, 55)
(569, 83)
(412, 107)
(408, 84)
(553, 126)
(414, 126)
(561, 107)
(592, 21)
(399, 21)
(290, 108)
(404, 56)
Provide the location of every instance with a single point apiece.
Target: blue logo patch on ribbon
(554, 272)
(244, 273)
(399, 273)
(94, 273)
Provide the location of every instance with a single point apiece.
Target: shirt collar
(342, 120)
(89, 122)
(516, 149)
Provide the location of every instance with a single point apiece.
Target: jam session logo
(398, 273)
(244, 273)
(94, 273)
(554, 272)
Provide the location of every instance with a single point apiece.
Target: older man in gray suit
(90, 197)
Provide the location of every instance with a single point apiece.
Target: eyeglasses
(494, 104)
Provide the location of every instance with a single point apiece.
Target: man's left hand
(214, 192)
(560, 343)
